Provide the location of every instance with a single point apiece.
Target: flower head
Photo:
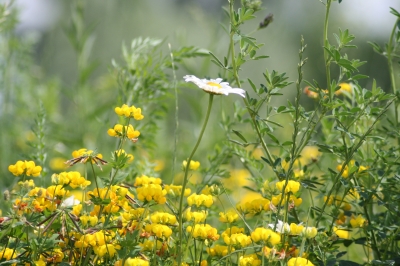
(214, 86)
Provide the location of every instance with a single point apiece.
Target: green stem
(326, 55)
(185, 179)
(236, 77)
(392, 77)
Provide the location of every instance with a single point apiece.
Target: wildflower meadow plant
(325, 194)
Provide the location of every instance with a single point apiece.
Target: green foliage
(323, 180)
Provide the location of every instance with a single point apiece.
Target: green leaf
(239, 135)
(273, 138)
(281, 108)
(216, 61)
(376, 47)
(252, 85)
(394, 12)
(249, 41)
(359, 76)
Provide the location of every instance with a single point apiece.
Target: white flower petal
(69, 202)
(214, 86)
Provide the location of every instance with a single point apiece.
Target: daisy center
(210, 83)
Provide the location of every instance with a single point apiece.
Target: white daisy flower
(214, 86)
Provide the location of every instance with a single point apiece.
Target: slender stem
(326, 55)
(392, 77)
(185, 179)
(236, 77)
(176, 111)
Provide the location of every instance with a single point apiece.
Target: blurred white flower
(214, 86)
(281, 227)
(70, 201)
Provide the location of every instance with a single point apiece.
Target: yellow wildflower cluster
(194, 165)
(298, 261)
(220, 251)
(265, 235)
(249, 260)
(8, 254)
(145, 180)
(358, 221)
(255, 206)
(309, 232)
(349, 168)
(132, 262)
(121, 152)
(158, 230)
(176, 191)
(100, 242)
(25, 167)
(228, 217)
(152, 192)
(291, 186)
(239, 240)
(275, 200)
(344, 88)
(163, 218)
(124, 131)
(200, 200)
(73, 179)
(119, 198)
(196, 216)
(341, 233)
(129, 111)
(203, 232)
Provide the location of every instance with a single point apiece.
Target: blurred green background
(58, 54)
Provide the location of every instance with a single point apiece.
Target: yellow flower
(219, 251)
(159, 230)
(292, 199)
(163, 218)
(232, 230)
(249, 260)
(145, 180)
(228, 217)
(175, 191)
(73, 179)
(238, 240)
(214, 86)
(194, 165)
(132, 262)
(197, 217)
(200, 200)
(203, 232)
(298, 261)
(350, 167)
(152, 192)
(292, 186)
(121, 131)
(344, 88)
(105, 250)
(265, 235)
(25, 167)
(8, 254)
(296, 229)
(357, 222)
(255, 206)
(341, 233)
(129, 111)
(309, 232)
(121, 152)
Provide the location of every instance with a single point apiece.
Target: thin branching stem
(185, 178)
